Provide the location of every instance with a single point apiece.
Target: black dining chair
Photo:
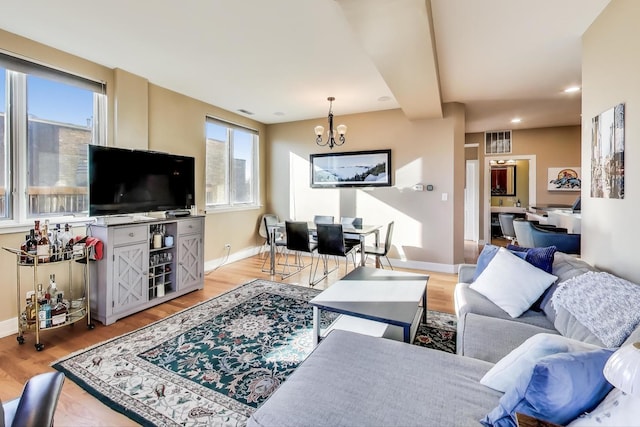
(382, 251)
(331, 243)
(348, 222)
(320, 219)
(298, 241)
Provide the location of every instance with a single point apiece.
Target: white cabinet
(138, 271)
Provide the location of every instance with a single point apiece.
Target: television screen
(123, 181)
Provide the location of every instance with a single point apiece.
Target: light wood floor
(76, 407)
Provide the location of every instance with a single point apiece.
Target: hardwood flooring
(76, 407)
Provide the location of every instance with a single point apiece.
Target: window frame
(16, 135)
(230, 205)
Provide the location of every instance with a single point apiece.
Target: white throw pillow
(512, 283)
(617, 409)
(523, 359)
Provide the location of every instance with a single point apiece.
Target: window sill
(223, 209)
(11, 227)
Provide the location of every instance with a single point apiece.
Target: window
(232, 165)
(48, 119)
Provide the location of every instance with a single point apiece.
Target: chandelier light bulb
(319, 130)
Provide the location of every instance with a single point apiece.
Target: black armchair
(37, 404)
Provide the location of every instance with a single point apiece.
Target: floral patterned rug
(214, 363)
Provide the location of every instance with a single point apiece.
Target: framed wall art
(564, 179)
(351, 169)
(607, 154)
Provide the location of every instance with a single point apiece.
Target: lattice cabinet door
(130, 270)
(190, 261)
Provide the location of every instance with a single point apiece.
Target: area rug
(214, 363)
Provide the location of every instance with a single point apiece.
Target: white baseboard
(416, 265)
(8, 327)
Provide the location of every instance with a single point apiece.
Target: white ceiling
(281, 59)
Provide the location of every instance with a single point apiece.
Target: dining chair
(382, 251)
(351, 238)
(270, 225)
(298, 241)
(331, 243)
(320, 219)
(263, 232)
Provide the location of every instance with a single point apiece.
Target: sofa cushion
(617, 409)
(352, 379)
(561, 387)
(522, 360)
(512, 283)
(569, 326)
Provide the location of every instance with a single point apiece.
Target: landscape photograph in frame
(351, 169)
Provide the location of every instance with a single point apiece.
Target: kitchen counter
(508, 209)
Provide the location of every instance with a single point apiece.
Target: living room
(431, 151)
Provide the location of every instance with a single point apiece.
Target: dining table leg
(272, 251)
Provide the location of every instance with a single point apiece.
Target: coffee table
(385, 299)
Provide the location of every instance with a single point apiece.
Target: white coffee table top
(387, 296)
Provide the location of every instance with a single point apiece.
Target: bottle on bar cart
(43, 249)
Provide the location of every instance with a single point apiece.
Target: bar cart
(51, 307)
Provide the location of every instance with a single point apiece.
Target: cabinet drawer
(127, 235)
(188, 226)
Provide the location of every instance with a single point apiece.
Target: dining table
(362, 231)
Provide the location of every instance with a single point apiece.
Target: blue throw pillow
(561, 387)
(540, 257)
(485, 257)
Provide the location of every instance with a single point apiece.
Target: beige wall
(151, 116)
(610, 69)
(427, 229)
(553, 147)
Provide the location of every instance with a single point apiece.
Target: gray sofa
(357, 380)
(480, 321)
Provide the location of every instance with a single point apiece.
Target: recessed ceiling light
(247, 112)
(279, 113)
(572, 89)
(516, 120)
(384, 98)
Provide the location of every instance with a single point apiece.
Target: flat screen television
(125, 181)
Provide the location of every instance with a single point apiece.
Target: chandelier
(341, 130)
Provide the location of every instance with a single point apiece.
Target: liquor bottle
(53, 288)
(56, 244)
(65, 238)
(23, 250)
(43, 249)
(32, 245)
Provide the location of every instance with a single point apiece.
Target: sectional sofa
(357, 380)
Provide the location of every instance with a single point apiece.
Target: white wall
(610, 75)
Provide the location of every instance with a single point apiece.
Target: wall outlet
(227, 245)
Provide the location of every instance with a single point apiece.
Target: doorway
(487, 208)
